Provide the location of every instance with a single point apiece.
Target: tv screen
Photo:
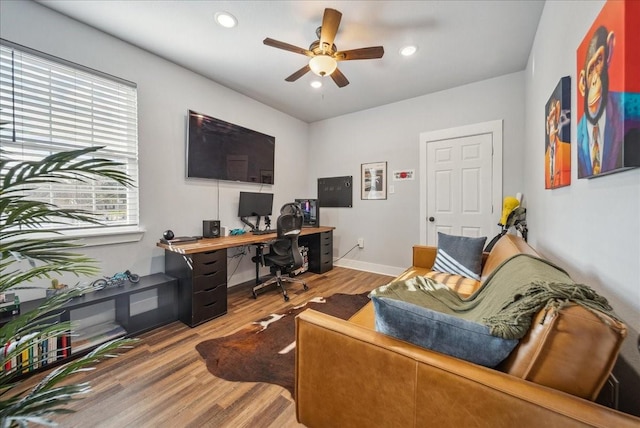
(310, 212)
(255, 204)
(221, 150)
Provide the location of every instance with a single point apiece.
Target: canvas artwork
(608, 70)
(557, 162)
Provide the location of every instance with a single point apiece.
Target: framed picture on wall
(374, 180)
(608, 66)
(557, 141)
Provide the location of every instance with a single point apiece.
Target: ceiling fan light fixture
(408, 50)
(226, 20)
(323, 65)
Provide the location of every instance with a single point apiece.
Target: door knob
(431, 219)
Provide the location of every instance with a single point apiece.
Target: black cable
(241, 253)
(352, 248)
(218, 192)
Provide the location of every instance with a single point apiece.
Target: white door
(461, 181)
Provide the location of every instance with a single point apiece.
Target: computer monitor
(255, 204)
(310, 212)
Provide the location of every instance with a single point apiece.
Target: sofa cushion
(440, 332)
(461, 255)
(460, 284)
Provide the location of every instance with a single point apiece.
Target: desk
(201, 268)
(224, 242)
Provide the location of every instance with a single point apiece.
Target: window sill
(98, 236)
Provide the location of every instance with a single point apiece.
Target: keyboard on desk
(262, 232)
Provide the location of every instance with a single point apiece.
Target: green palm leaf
(25, 256)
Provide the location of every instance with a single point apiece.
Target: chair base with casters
(279, 280)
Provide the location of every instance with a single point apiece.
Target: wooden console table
(201, 268)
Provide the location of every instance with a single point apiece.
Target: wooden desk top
(210, 244)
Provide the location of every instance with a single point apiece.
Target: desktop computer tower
(211, 228)
(310, 212)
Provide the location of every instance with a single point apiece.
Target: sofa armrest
(347, 375)
(424, 256)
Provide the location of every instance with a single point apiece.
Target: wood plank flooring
(163, 381)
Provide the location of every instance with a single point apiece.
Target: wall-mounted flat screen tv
(223, 151)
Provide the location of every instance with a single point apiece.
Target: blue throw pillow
(460, 255)
(443, 333)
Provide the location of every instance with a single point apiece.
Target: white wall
(592, 227)
(165, 93)
(390, 133)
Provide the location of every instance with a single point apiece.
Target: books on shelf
(94, 335)
(39, 352)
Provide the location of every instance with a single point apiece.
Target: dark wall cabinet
(202, 294)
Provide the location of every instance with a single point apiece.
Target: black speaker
(211, 228)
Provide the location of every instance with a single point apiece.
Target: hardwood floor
(163, 381)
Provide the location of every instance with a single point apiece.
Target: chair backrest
(289, 226)
(290, 220)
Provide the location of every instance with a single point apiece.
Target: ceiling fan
(324, 54)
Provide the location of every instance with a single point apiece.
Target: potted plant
(26, 256)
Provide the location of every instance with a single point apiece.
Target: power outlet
(360, 242)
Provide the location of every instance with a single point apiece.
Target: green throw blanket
(508, 299)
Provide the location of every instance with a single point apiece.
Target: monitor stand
(248, 223)
(256, 227)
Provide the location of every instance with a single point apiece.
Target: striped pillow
(460, 255)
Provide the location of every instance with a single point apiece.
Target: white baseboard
(370, 267)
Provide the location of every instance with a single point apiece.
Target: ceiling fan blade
(362, 53)
(330, 24)
(339, 78)
(286, 47)
(298, 74)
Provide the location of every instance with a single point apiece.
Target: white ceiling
(459, 42)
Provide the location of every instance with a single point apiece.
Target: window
(48, 105)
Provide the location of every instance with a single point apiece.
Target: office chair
(284, 254)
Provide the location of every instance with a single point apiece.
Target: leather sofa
(349, 375)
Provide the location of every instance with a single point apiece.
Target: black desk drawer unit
(203, 284)
(320, 251)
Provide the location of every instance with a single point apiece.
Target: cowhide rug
(263, 351)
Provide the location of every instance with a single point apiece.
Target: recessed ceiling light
(316, 84)
(408, 50)
(226, 20)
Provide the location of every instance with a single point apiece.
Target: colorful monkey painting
(608, 62)
(557, 165)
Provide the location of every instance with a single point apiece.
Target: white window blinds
(48, 105)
